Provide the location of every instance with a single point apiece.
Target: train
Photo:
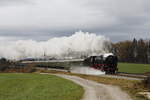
(104, 62)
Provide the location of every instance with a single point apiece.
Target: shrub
(146, 82)
(4, 64)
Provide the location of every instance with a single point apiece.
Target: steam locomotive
(105, 62)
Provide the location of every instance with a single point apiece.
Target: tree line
(136, 51)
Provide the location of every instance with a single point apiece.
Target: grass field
(132, 87)
(37, 87)
(134, 68)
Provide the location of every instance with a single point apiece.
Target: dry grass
(29, 68)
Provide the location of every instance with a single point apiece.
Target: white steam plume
(77, 45)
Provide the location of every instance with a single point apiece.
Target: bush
(146, 82)
(4, 64)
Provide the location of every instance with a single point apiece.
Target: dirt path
(96, 91)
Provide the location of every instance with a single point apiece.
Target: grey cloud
(14, 2)
(48, 18)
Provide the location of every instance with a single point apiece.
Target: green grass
(133, 68)
(37, 87)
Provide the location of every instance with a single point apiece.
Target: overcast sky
(43, 19)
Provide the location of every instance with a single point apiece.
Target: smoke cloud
(77, 45)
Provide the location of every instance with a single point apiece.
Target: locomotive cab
(105, 62)
(111, 64)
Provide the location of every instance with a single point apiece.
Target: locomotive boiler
(104, 62)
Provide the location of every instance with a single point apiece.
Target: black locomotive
(104, 62)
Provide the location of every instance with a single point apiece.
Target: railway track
(124, 77)
(132, 75)
(119, 75)
(129, 76)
